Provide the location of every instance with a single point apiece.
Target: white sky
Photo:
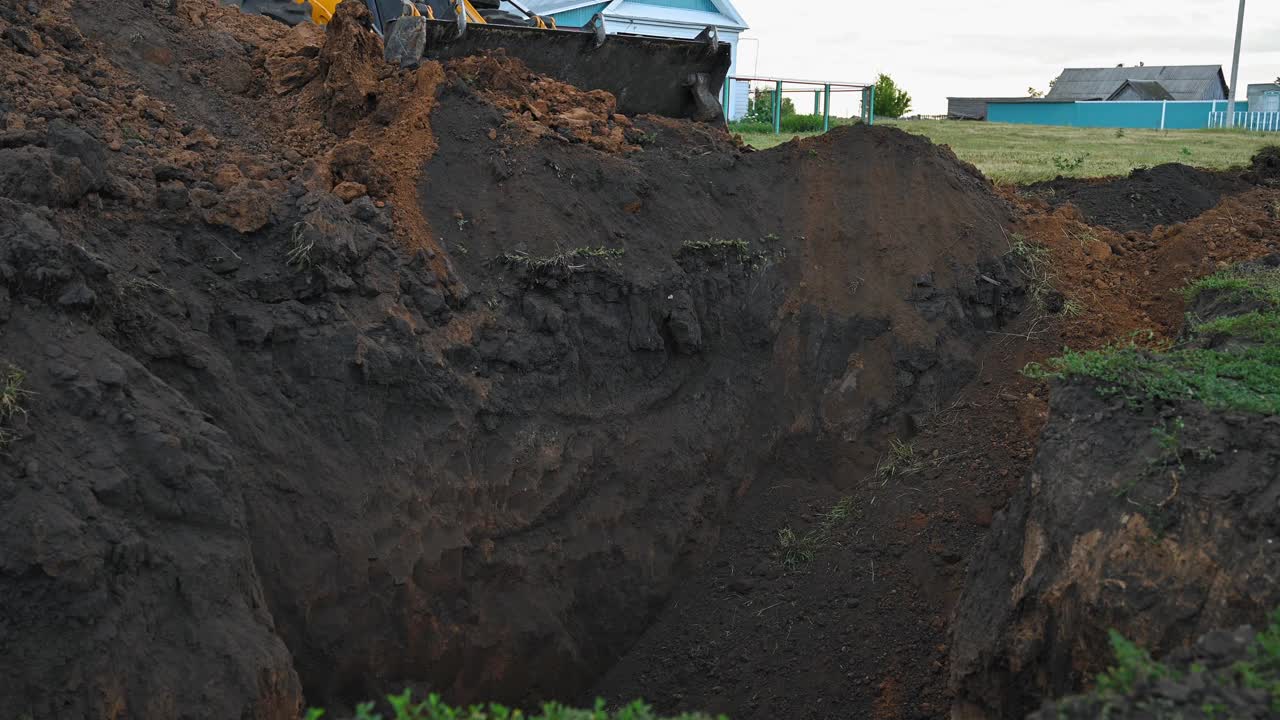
(937, 48)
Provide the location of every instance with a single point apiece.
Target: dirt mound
(1266, 166)
(315, 451)
(323, 378)
(1108, 285)
(544, 107)
(1162, 195)
(1143, 512)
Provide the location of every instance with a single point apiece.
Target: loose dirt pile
(545, 108)
(325, 378)
(1162, 195)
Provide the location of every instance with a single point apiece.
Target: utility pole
(1235, 70)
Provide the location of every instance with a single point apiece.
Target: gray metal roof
(1143, 90)
(1183, 82)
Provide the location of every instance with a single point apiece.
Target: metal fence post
(1164, 110)
(826, 108)
(777, 108)
(871, 110)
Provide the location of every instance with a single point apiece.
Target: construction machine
(663, 76)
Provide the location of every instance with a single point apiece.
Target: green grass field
(1017, 154)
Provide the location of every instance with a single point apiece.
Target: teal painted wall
(1137, 115)
(579, 16)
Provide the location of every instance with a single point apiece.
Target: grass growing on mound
(1231, 378)
(1262, 327)
(1241, 284)
(433, 708)
(1247, 380)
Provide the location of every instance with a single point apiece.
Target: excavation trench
(345, 379)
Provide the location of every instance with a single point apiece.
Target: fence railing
(773, 90)
(1263, 121)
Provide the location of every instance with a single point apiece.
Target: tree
(760, 106)
(891, 101)
(1034, 93)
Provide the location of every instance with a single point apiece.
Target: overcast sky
(937, 48)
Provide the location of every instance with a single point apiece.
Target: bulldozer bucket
(646, 74)
(663, 76)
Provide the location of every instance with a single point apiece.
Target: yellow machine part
(322, 12)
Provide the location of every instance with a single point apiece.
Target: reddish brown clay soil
(1122, 284)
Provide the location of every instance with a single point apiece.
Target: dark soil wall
(281, 443)
(1155, 519)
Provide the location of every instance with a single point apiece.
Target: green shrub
(802, 124)
(760, 106)
(891, 100)
(751, 126)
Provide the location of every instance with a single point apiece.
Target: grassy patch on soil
(1233, 378)
(433, 708)
(1241, 284)
(569, 260)
(12, 400)
(798, 550)
(1015, 154)
(1247, 380)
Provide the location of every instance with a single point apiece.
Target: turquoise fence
(1153, 115)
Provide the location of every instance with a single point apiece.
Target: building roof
(1182, 82)
(1144, 90)
(720, 13)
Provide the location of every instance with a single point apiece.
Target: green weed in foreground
(1134, 665)
(1262, 670)
(433, 708)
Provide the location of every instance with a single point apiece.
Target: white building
(658, 18)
